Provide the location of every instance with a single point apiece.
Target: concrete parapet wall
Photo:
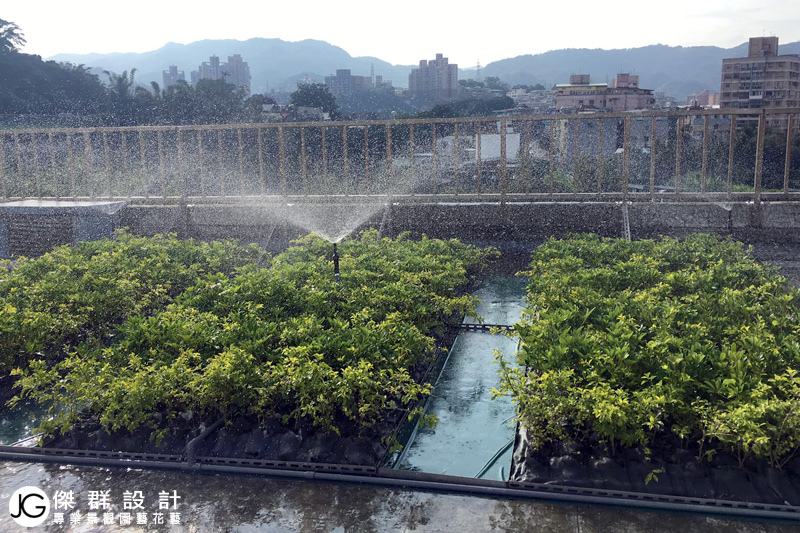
(770, 222)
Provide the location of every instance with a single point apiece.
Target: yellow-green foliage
(629, 340)
(285, 339)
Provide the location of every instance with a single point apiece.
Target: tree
(493, 82)
(470, 83)
(120, 88)
(218, 102)
(315, 95)
(11, 38)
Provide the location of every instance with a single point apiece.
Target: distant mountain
(675, 70)
(276, 64)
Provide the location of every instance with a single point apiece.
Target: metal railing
(638, 156)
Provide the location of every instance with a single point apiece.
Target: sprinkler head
(336, 264)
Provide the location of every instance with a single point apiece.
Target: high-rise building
(345, 83)
(235, 71)
(762, 80)
(434, 80)
(172, 76)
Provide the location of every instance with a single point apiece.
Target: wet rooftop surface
(472, 426)
(243, 504)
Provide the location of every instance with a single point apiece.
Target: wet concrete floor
(211, 503)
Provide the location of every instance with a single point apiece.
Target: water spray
(336, 264)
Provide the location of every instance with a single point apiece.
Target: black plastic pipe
(443, 483)
(191, 448)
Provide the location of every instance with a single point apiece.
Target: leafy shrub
(85, 291)
(627, 342)
(282, 340)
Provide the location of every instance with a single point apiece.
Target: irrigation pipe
(495, 457)
(450, 484)
(191, 448)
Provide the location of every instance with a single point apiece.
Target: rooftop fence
(687, 155)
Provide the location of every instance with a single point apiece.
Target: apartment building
(435, 80)
(172, 76)
(236, 71)
(623, 94)
(762, 80)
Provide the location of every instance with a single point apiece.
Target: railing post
(221, 164)
(526, 164)
(125, 173)
(36, 172)
(261, 162)
(653, 160)
(704, 171)
(626, 157)
(788, 164)
(161, 163)
(552, 154)
(143, 163)
(433, 150)
(107, 159)
(366, 157)
(241, 161)
(480, 158)
(344, 161)
(3, 169)
(758, 179)
(455, 157)
(678, 147)
(731, 144)
(70, 168)
(575, 158)
(282, 160)
(389, 164)
(600, 157)
(181, 174)
(200, 162)
(411, 151)
(503, 169)
(324, 161)
(302, 160)
(53, 164)
(87, 157)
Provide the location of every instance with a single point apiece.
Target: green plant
(284, 340)
(628, 341)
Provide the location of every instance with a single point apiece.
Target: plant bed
(52, 304)
(658, 366)
(281, 353)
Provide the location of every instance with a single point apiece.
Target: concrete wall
(486, 223)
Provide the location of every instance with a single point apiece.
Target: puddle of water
(19, 422)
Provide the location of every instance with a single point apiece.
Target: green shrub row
(75, 293)
(283, 340)
(631, 342)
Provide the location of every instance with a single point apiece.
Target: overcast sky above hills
(402, 33)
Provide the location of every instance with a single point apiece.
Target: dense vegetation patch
(646, 342)
(284, 340)
(51, 304)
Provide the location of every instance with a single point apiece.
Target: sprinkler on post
(335, 263)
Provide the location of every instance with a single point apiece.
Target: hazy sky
(402, 32)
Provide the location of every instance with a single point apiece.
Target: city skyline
(466, 36)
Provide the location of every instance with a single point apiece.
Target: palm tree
(10, 37)
(120, 87)
(120, 84)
